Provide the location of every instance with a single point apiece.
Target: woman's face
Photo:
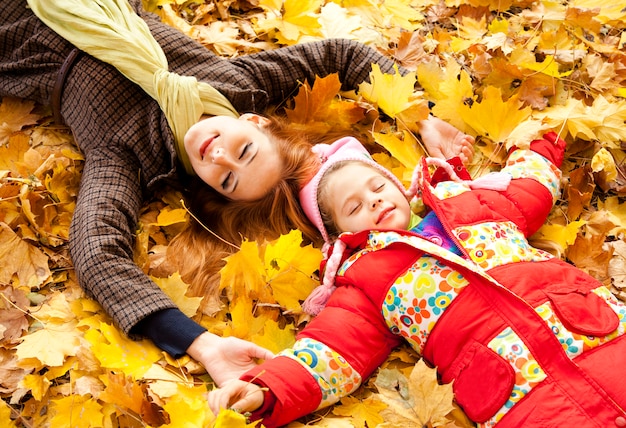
(361, 198)
(234, 156)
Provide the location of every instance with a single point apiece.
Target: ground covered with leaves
(503, 71)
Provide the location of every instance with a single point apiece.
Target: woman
(130, 151)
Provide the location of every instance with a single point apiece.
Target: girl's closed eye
(354, 208)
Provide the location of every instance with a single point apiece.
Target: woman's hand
(237, 395)
(226, 358)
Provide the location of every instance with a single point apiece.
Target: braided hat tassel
(319, 296)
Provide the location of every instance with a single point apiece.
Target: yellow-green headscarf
(112, 32)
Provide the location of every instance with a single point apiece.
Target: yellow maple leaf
(5, 415)
(401, 14)
(339, 23)
(12, 153)
(611, 130)
(563, 236)
(453, 90)
(471, 31)
(293, 20)
(603, 161)
(176, 289)
(503, 116)
(407, 150)
(608, 11)
(275, 338)
(118, 352)
(57, 339)
(243, 323)
(290, 268)
(548, 66)
(391, 92)
(603, 120)
(231, 419)
(37, 385)
(362, 412)
(164, 381)
(188, 407)
(168, 216)
(19, 258)
(244, 273)
(76, 411)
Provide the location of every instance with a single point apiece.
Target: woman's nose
(219, 156)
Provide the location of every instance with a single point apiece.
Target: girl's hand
(237, 395)
(444, 141)
(226, 358)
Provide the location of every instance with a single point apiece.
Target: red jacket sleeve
(527, 201)
(350, 326)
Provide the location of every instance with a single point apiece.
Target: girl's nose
(376, 202)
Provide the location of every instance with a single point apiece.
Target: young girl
(526, 339)
(130, 152)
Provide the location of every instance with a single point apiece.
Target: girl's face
(234, 156)
(361, 198)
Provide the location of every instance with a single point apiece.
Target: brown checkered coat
(127, 144)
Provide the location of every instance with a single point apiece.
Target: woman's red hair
(198, 254)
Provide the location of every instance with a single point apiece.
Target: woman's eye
(245, 150)
(227, 180)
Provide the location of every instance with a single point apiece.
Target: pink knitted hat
(344, 149)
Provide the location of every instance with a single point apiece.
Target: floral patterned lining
(334, 375)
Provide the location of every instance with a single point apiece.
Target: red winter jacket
(529, 340)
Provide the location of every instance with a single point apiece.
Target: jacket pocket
(583, 312)
(482, 381)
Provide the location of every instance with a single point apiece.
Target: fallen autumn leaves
(501, 71)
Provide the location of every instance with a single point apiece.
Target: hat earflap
(319, 296)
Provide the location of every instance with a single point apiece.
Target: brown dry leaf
(617, 264)
(417, 401)
(13, 314)
(588, 254)
(19, 258)
(579, 191)
(10, 373)
(311, 103)
(15, 114)
(409, 50)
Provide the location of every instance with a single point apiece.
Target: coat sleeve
(340, 348)
(280, 72)
(526, 202)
